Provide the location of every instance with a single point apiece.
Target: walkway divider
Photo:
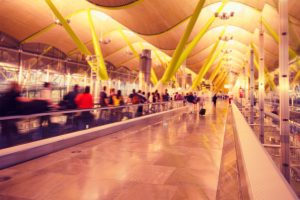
(264, 179)
(21, 153)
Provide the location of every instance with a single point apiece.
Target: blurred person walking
(69, 99)
(214, 99)
(10, 104)
(69, 103)
(118, 101)
(45, 95)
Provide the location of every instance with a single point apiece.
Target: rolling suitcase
(202, 111)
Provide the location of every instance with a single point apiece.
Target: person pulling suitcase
(201, 105)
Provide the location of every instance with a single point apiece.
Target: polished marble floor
(178, 158)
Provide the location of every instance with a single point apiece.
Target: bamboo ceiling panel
(158, 22)
(112, 3)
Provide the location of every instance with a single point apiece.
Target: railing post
(261, 86)
(284, 88)
(251, 86)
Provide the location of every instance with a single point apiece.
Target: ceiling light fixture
(225, 38)
(57, 22)
(224, 15)
(226, 51)
(128, 52)
(105, 41)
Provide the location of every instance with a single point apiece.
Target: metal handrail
(82, 110)
(276, 117)
(278, 146)
(251, 151)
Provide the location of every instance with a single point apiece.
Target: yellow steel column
(197, 38)
(222, 70)
(219, 78)
(219, 85)
(101, 67)
(153, 77)
(163, 65)
(67, 27)
(84, 50)
(171, 67)
(275, 36)
(297, 77)
(222, 83)
(216, 71)
(211, 58)
(207, 65)
(135, 53)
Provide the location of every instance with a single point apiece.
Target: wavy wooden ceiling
(156, 24)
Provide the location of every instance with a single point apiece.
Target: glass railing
(272, 135)
(22, 129)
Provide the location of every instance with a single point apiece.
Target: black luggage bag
(202, 111)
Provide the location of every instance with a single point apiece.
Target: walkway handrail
(82, 110)
(28, 151)
(276, 117)
(264, 180)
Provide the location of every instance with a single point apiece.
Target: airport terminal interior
(149, 99)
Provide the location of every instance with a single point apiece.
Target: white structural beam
(284, 88)
(261, 86)
(251, 86)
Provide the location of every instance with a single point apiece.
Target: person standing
(103, 97)
(191, 102)
(85, 101)
(214, 99)
(202, 104)
(112, 94)
(103, 102)
(118, 101)
(166, 96)
(46, 92)
(69, 103)
(46, 96)
(70, 98)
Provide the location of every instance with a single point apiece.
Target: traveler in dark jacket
(10, 104)
(214, 99)
(70, 98)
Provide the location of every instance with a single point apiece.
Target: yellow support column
(163, 65)
(297, 77)
(206, 67)
(219, 85)
(80, 45)
(211, 58)
(101, 67)
(153, 77)
(67, 27)
(216, 71)
(219, 78)
(197, 38)
(170, 69)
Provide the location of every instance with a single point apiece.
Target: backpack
(135, 99)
